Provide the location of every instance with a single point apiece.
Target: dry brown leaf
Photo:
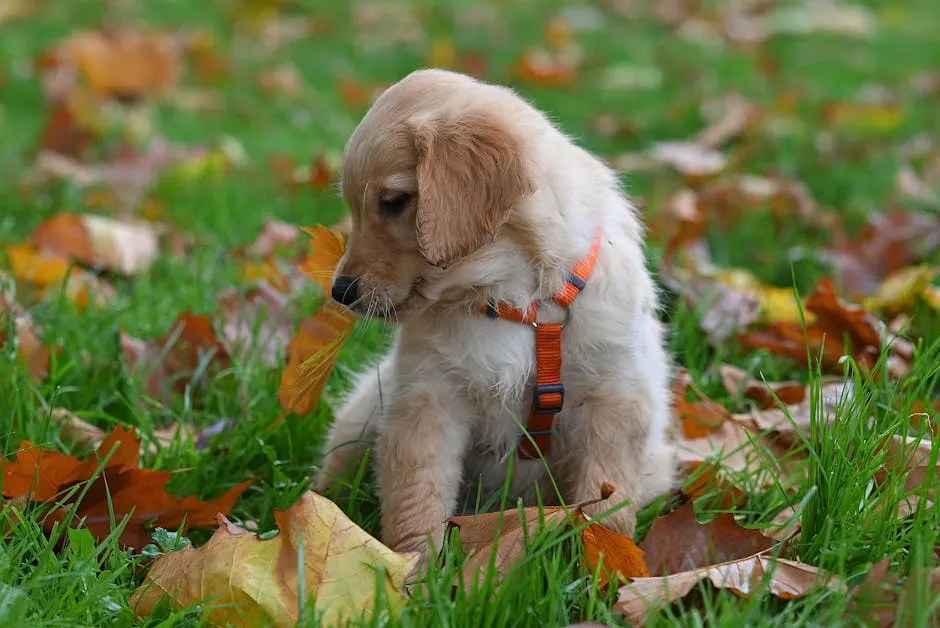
(257, 323)
(910, 456)
(122, 489)
(698, 418)
(787, 580)
(688, 158)
(886, 602)
(793, 418)
(738, 382)
(172, 363)
(731, 196)
(836, 320)
(678, 542)
(75, 429)
(501, 538)
(99, 242)
(889, 242)
(245, 581)
(679, 222)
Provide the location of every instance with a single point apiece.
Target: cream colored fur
(444, 406)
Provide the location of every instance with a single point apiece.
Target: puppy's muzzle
(345, 290)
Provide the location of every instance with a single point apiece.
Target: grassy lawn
(638, 83)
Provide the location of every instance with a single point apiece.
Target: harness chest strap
(549, 394)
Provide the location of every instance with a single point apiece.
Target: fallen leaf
(274, 234)
(173, 362)
(738, 382)
(502, 537)
(256, 324)
(244, 581)
(122, 488)
(836, 322)
(679, 222)
(899, 291)
(328, 247)
(698, 418)
(786, 579)
(886, 602)
(723, 310)
(689, 158)
(797, 417)
(75, 429)
(285, 80)
(910, 456)
(26, 336)
(311, 354)
(888, 242)
(540, 67)
(678, 542)
(737, 116)
(99, 242)
(122, 62)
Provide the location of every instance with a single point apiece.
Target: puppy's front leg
(610, 441)
(420, 455)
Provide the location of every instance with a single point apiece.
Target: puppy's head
(430, 175)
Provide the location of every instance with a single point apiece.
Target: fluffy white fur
(446, 404)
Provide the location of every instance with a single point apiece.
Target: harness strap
(549, 394)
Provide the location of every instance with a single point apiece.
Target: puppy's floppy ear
(471, 172)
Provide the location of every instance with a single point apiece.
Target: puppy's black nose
(345, 289)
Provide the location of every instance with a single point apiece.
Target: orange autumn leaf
(698, 418)
(311, 354)
(121, 488)
(328, 247)
(30, 265)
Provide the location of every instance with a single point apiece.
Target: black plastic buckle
(548, 389)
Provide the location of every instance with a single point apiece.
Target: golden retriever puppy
(507, 256)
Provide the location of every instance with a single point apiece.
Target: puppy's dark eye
(392, 205)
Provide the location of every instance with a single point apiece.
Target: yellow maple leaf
(328, 248)
(777, 305)
(898, 291)
(244, 581)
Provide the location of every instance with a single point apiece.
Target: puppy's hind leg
(354, 430)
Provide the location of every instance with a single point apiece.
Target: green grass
(848, 521)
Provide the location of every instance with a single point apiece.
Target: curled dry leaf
(99, 242)
(122, 488)
(796, 418)
(887, 602)
(75, 429)
(900, 290)
(244, 581)
(678, 542)
(785, 579)
(912, 457)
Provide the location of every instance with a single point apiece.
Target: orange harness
(549, 395)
